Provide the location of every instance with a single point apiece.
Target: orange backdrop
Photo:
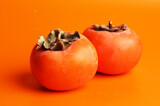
(22, 21)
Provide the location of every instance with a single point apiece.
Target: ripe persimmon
(119, 48)
(63, 61)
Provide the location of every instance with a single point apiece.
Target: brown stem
(110, 24)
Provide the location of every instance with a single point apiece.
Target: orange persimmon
(119, 48)
(63, 61)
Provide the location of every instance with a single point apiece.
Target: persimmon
(63, 61)
(119, 48)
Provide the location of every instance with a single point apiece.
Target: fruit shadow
(28, 82)
(100, 75)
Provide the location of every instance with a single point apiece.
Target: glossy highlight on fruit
(65, 68)
(119, 48)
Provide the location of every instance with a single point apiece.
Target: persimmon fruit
(63, 61)
(119, 48)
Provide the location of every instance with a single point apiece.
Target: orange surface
(22, 21)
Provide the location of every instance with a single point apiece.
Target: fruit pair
(64, 61)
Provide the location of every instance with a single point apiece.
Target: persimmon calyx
(57, 40)
(110, 28)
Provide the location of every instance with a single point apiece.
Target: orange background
(22, 21)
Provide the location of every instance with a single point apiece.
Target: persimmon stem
(110, 24)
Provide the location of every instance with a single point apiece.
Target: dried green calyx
(110, 28)
(57, 40)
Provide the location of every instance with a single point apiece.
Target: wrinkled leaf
(58, 40)
(40, 42)
(110, 28)
(51, 35)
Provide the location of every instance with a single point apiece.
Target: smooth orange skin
(67, 69)
(118, 52)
